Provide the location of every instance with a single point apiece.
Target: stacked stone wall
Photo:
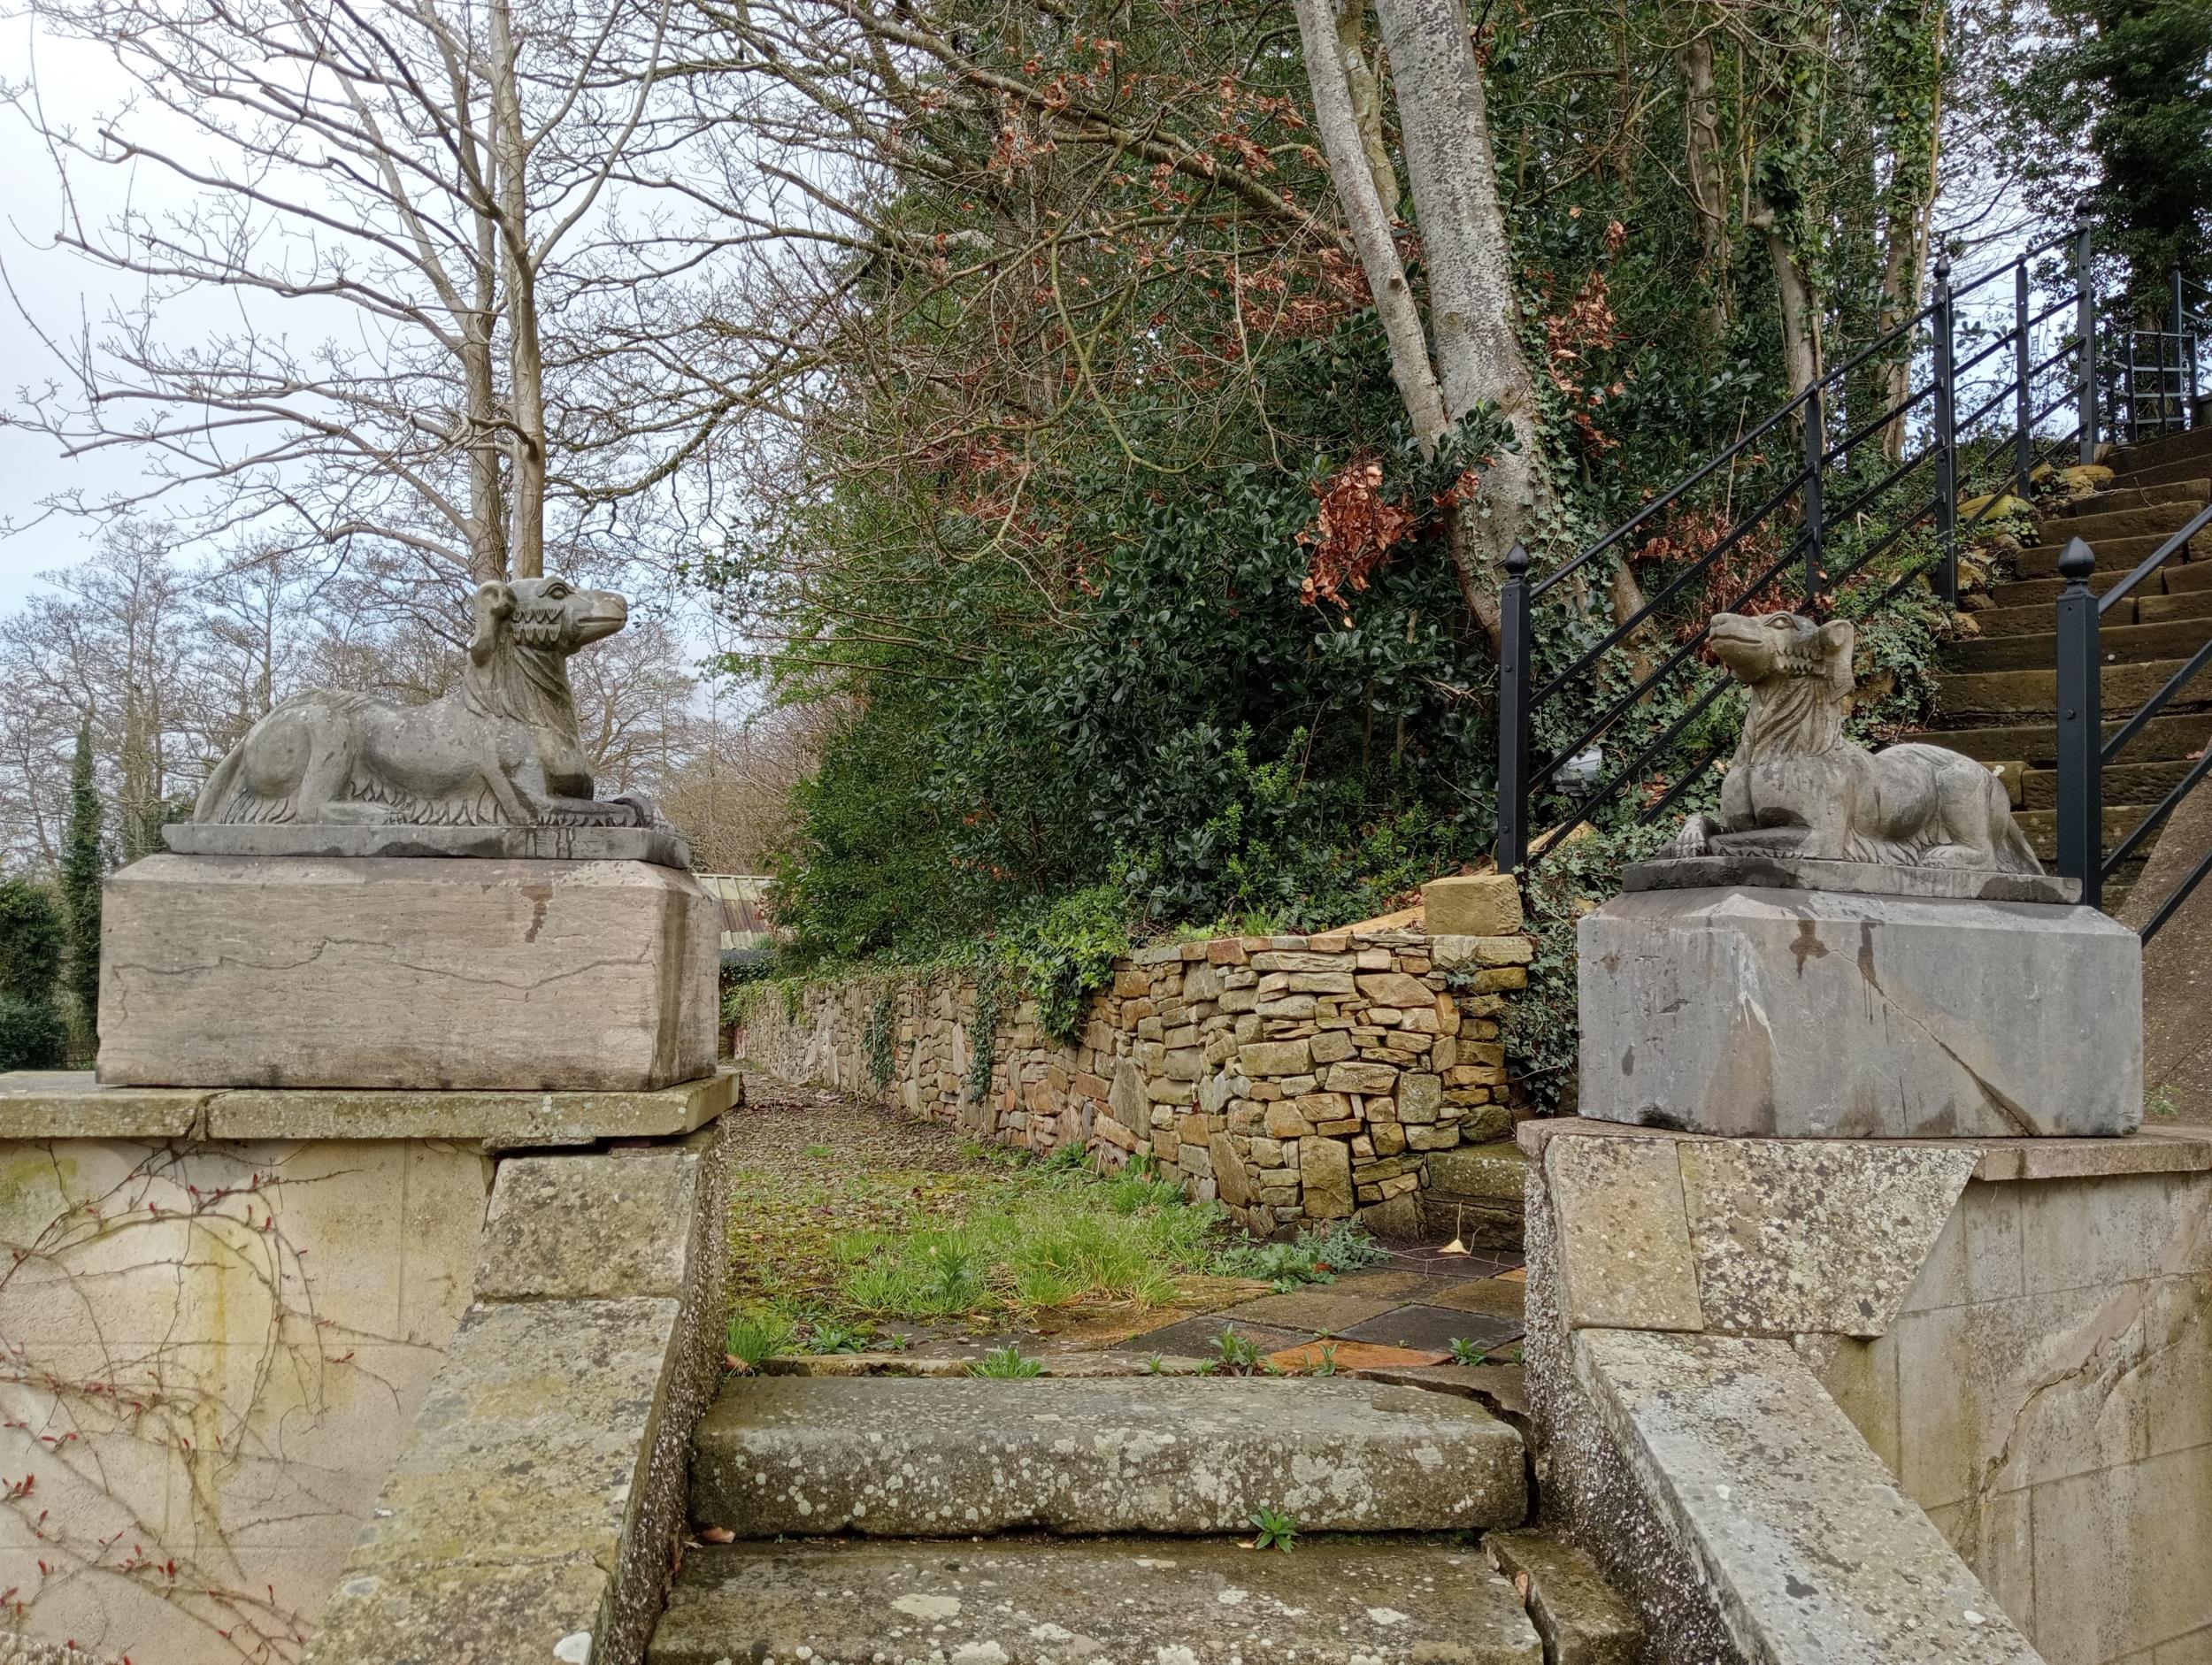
(1295, 1078)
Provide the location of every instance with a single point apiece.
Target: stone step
(2138, 609)
(2118, 556)
(2159, 473)
(1110, 1601)
(2161, 520)
(2134, 786)
(2041, 827)
(894, 1457)
(2165, 450)
(2004, 692)
(2120, 643)
(2192, 492)
(2176, 578)
(2163, 738)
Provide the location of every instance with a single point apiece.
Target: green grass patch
(840, 1253)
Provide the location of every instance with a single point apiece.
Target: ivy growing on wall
(879, 1039)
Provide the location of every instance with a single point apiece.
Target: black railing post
(1946, 438)
(1513, 691)
(2080, 728)
(2185, 354)
(1815, 455)
(2023, 362)
(2086, 324)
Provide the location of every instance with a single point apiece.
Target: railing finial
(1516, 561)
(2077, 561)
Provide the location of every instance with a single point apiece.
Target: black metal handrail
(1585, 696)
(2083, 754)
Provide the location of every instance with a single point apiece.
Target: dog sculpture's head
(549, 614)
(1759, 647)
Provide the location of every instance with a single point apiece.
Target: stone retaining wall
(1295, 1078)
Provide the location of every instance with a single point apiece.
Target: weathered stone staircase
(1998, 692)
(1058, 1520)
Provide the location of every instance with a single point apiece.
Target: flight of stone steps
(1998, 692)
(1058, 1520)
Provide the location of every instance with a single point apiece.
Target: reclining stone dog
(1798, 787)
(500, 747)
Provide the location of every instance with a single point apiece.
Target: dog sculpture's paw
(1694, 839)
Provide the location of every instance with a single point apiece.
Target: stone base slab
(663, 846)
(70, 1104)
(422, 973)
(1815, 1015)
(1775, 871)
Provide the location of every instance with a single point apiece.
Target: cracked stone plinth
(1802, 1014)
(1148, 1602)
(800, 1455)
(406, 973)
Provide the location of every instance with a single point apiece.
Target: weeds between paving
(853, 1224)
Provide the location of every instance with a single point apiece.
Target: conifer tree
(82, 865)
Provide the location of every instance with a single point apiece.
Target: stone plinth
(1806, 1014)
(406, 972)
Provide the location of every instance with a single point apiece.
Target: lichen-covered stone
(1811, 1554)
(1624, 1256)
(1583, 1620)
(1127, 1603)
(786, 1455)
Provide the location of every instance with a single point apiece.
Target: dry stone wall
(1295, 1078)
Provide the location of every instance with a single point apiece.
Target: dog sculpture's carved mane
(500, 747)
(1799, 786)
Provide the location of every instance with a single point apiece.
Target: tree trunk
(1709, 194)
(1366, 96)
(1910, 203)
(1473, 311)
(526, 367)
(1800, 310)
(1369, 221)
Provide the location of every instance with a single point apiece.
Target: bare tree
(1467, 352)
(467, 243)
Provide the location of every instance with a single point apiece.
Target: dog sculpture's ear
(1839, 637)
(491, 606)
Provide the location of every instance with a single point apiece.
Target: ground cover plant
(852, 1227)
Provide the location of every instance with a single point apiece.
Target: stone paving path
(1403, 1314)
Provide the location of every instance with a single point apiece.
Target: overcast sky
(55, 286)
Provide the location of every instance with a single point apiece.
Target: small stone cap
(1472, 905)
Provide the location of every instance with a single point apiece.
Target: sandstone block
(1396, 988)
(1275, 1058)
(1325, 1170)
(1824, 1014)
(1361, 1077)
(399, 973)
(1480, 905)
(1331, 1046)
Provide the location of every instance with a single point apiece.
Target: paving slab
(1195, 1337)
(1434, 1329)
(1015, 1603)
(1347, 1356)
(1503, 1297)
(903, 1457)
(1317, 1311)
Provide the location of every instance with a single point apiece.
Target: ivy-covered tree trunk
(82, 868)
(1908, 75)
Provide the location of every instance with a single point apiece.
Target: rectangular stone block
(396, 972)
(1801, 1014)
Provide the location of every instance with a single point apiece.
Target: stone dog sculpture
(499, 748)
(1797, 787)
